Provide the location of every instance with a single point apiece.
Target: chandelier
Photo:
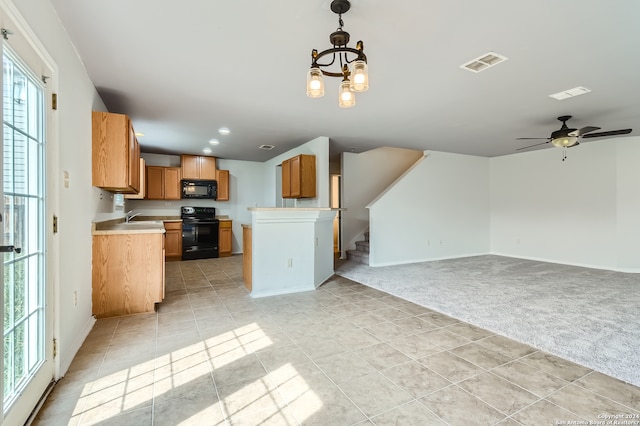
(345, 62)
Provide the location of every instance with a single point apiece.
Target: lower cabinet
(225, 238)
(127, 273)
(173, 241)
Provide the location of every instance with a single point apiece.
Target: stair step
(362, 246)
(358, 256)
(366, 236)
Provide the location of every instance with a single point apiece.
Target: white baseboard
(581, 265)
(72, 349)
(278, 292)
(430, 259)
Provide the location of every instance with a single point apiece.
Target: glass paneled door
(23, 237)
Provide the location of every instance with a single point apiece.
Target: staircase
(361, 253)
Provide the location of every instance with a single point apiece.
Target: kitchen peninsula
(128, 267)
(291, 249)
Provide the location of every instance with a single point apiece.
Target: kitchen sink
(138, 225)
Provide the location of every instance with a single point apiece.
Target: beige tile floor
(343, 354)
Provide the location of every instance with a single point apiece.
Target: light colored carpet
(588, 316)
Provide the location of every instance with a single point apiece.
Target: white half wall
(582, 211)
(440, 209)
(292, 249)
(364, 177)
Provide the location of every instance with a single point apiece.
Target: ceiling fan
(566, 137)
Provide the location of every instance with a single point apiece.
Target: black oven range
(199, 233)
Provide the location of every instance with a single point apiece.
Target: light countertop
(135, 227)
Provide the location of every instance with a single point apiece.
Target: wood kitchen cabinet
(247, 257)
(115, 159)
(198, 167)
(143, 184)
(225, 238)
(222, 176)
(127, 273)
(163, 183)
(299, 177)
(173, 241)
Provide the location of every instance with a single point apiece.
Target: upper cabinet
(198, 167)
(222, 176)
(115, 153)
(163, 183)
(143, 186)
(299, 177)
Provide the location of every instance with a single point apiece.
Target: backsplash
(172, 208)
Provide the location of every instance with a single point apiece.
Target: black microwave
(206, 189)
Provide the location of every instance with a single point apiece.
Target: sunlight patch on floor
(192, 368)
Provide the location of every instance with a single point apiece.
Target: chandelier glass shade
(347, 97)
(315, 83)
(339, 61)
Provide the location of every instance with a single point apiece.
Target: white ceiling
(183, 69)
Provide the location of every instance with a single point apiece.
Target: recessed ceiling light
(267, 147)
(207, 150)
(140, 135)
(224, 131)
(214, 141)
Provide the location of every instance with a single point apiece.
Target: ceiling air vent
(483, 62)
(267, 147)
(570, 93)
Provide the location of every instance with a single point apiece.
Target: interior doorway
(335, 204)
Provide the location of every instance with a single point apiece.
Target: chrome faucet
(130, 215)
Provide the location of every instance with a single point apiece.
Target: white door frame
(24, 42)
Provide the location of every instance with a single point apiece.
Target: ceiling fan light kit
(565, 142)
(346, 62)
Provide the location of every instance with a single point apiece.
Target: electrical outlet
(75, 298)
(289, 263)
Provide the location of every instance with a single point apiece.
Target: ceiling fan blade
(587, 129)
(609, 133)
(575, 144)
(525, 139)
(531, 146)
